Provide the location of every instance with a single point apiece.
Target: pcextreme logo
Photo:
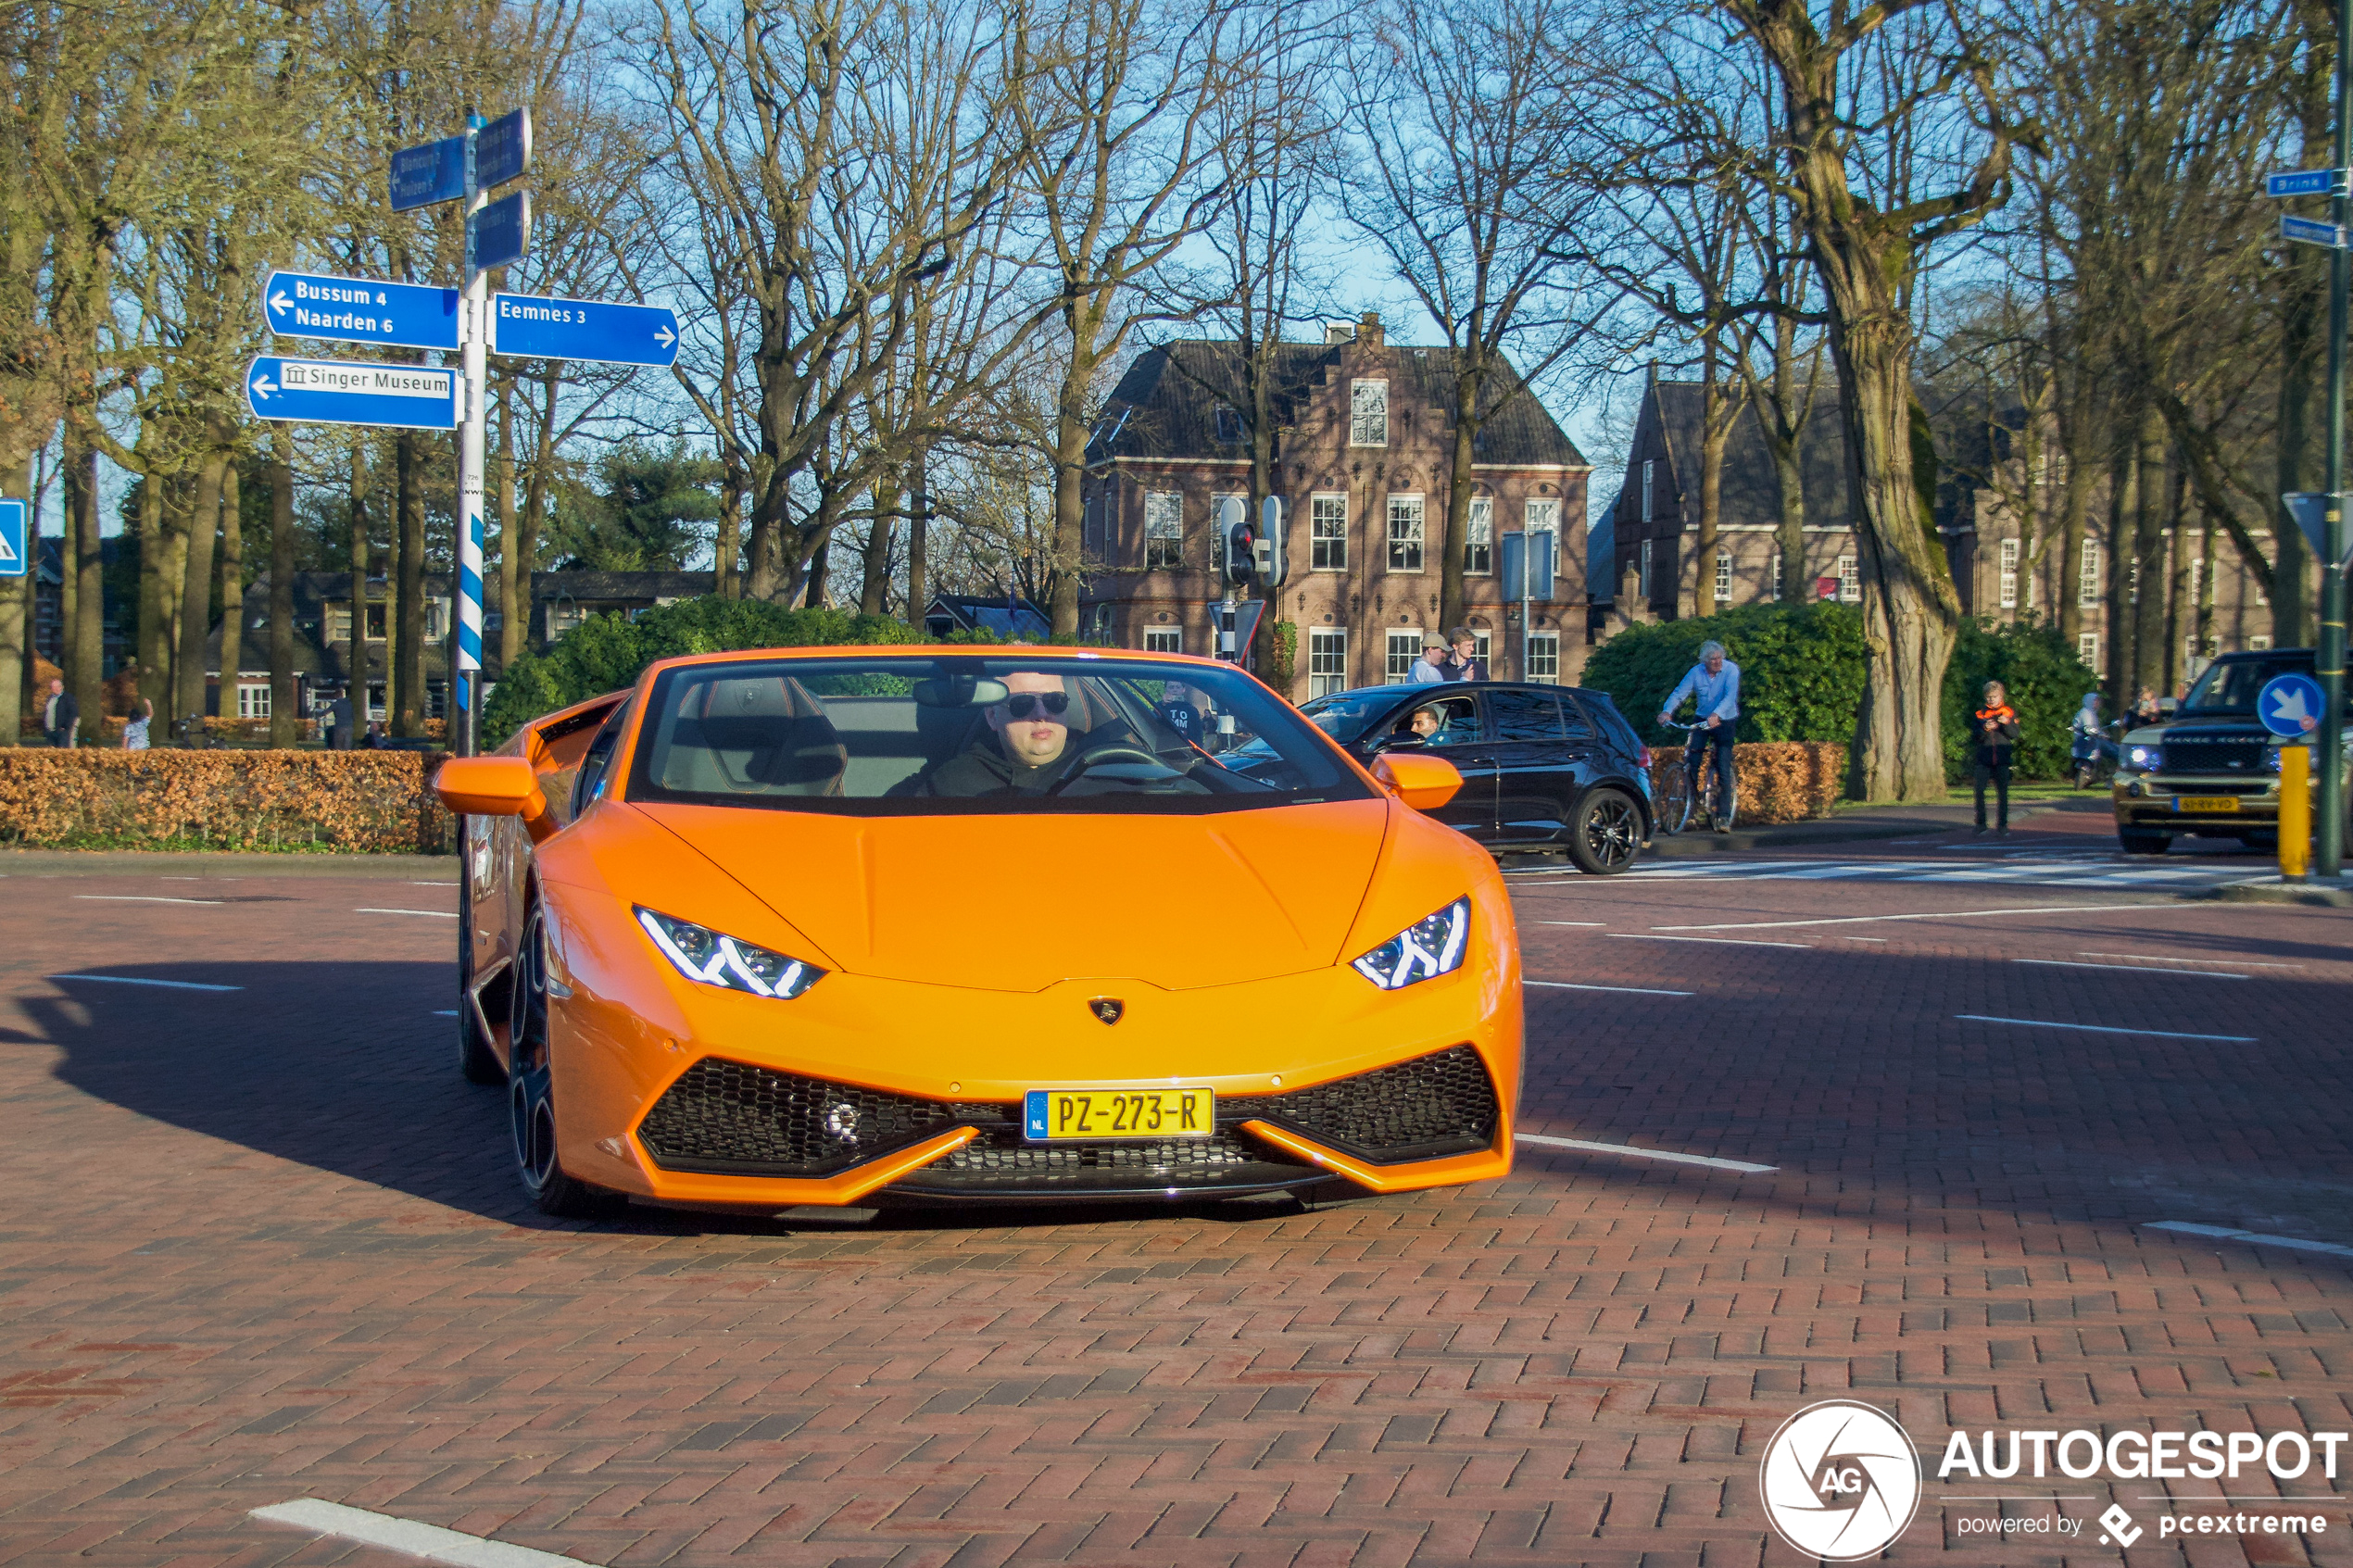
(1840, 1480)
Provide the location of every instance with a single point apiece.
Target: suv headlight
(727, 962)
(1431, 946)
(2141, 757)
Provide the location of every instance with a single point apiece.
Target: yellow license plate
(2205, 803)
(1053, 1115)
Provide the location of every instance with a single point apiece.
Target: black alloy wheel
(531, 1103)
(1605, 834)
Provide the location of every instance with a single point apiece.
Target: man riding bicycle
(1714, 685)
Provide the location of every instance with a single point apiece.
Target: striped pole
(467, 672)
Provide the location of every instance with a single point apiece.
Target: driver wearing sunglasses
(1028, 743)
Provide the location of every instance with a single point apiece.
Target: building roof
(622, 586)
(1166, 404)
(1752, 493)
(1018, 622)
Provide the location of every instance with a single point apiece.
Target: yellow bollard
(2295, 812)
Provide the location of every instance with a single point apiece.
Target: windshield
(885, 736)
(2228, 687)
(1344, 716)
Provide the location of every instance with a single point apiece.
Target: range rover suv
(2214, 770)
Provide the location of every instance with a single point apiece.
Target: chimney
(1368, 331)
(1337, 333)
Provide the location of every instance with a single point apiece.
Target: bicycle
(1677, 803)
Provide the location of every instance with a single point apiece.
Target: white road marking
(2253, 1238)
(434, 884)
(2043, 869)
(2132, 969)
(1879, 939)
(1630, 990)
(1718, 941)
(1596, 924)
(140, 898)
(1632, 1153)
(430, 1542)
(1955, 914)
(437, 914)
(2103, 1029)
(2175, 957)
(133, 980)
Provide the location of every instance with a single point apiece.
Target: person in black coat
(1995, 735)
(59, 716)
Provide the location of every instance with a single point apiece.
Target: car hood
(1019, 903)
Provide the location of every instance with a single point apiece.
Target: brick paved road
(261, 1244)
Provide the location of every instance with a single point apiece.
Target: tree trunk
(1789, 535)
(2123, 503)
(16, 604)
(2206, 531)
(919, 539)
(2073, 508)
(814, 592)
(195, 596)
(229, 591)
(534, 499)
(285, 705)
(1460, 479)
(2148, 556)
(873, 587)
(356, 661)
(1719, 409)
(83, 558)
(408, 609)
(1070, 478)
(151, 641)
(172, 587)
(2178, 606)
(727, 553)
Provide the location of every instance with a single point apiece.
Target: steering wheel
(1086, 759)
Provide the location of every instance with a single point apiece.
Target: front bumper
(2151, 803)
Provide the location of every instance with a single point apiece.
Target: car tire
(2145, 843)
(477, 1063)
(1604, 832)
(2266, 842)
(530, 1105)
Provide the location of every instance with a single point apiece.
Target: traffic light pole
(466, 685)
(2328, 663)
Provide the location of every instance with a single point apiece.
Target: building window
(1327, 661)
(376, 622)
(1217, 533)
(1478, 538)
(1163, 639)
(253, 702)
(2087, 648)
(1404, 534)
(1645, 579)
(1229, 425)
(2197, 580)
(1544, 656)
(1723, 576)
(1545, 517)
(1773, 577)
(1368, 413)
(1850, 580)
(1163, 530)
(1328, 533)
(2010, 574)
(1404, 647)
(376, 701)
(2258, 644)
(2132, 580)
(2087, 575)
(1648, 464)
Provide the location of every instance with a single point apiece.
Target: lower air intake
(730, 1118)
(1420, 1109)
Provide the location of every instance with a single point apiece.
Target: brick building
(1364, 461)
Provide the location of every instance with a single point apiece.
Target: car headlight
(1431, 946)
(727, 962)
(2142, 757)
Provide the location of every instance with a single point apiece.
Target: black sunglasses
(1022, 704)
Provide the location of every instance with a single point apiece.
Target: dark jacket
(1995, 749)
(983, 770)
(69, 711)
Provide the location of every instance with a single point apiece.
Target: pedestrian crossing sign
(13, 551)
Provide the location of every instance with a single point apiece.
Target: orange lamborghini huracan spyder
(871, 926)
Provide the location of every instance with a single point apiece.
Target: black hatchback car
(1544, 768)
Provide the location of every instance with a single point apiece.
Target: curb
(2279, 890)
(226, 864)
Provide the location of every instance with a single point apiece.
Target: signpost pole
(465, 685)
(2328, 657)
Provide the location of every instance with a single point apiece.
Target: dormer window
(1229, 424)
(1368, 413)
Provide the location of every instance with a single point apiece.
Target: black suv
(2214, 771)
(1543, 767)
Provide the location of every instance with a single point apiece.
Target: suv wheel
(2144, 843)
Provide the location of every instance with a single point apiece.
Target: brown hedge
(363, 802)
(1780, 781)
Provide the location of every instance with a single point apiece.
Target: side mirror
(1424, 782)
(496, 786)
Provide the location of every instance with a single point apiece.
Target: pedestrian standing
(1996, 739)
(1465, 665)
(1179, 713)
(134, 729)
(60, 716)
(1436, 664)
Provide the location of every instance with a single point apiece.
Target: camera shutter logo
(1840, 1481)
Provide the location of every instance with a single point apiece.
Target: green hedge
(607, 652)
(1802, 672)
(1801, 669)
(2047, 683)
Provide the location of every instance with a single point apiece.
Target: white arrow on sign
(280, 303)
(665, 336)
(2289, 707)
(263, 387)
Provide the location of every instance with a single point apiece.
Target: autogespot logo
(1840, 1480)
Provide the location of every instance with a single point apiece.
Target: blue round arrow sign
(2289, 705)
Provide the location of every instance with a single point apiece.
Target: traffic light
(1241, 541)
(1269, 560)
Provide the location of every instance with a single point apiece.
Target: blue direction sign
(502, 149)
(2304, 182)
(345, 391)
(426, 175)
(583, 329)
(356, 310)
(15, 556)
(2289, 705)
(2311, 234)
(500, 235)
